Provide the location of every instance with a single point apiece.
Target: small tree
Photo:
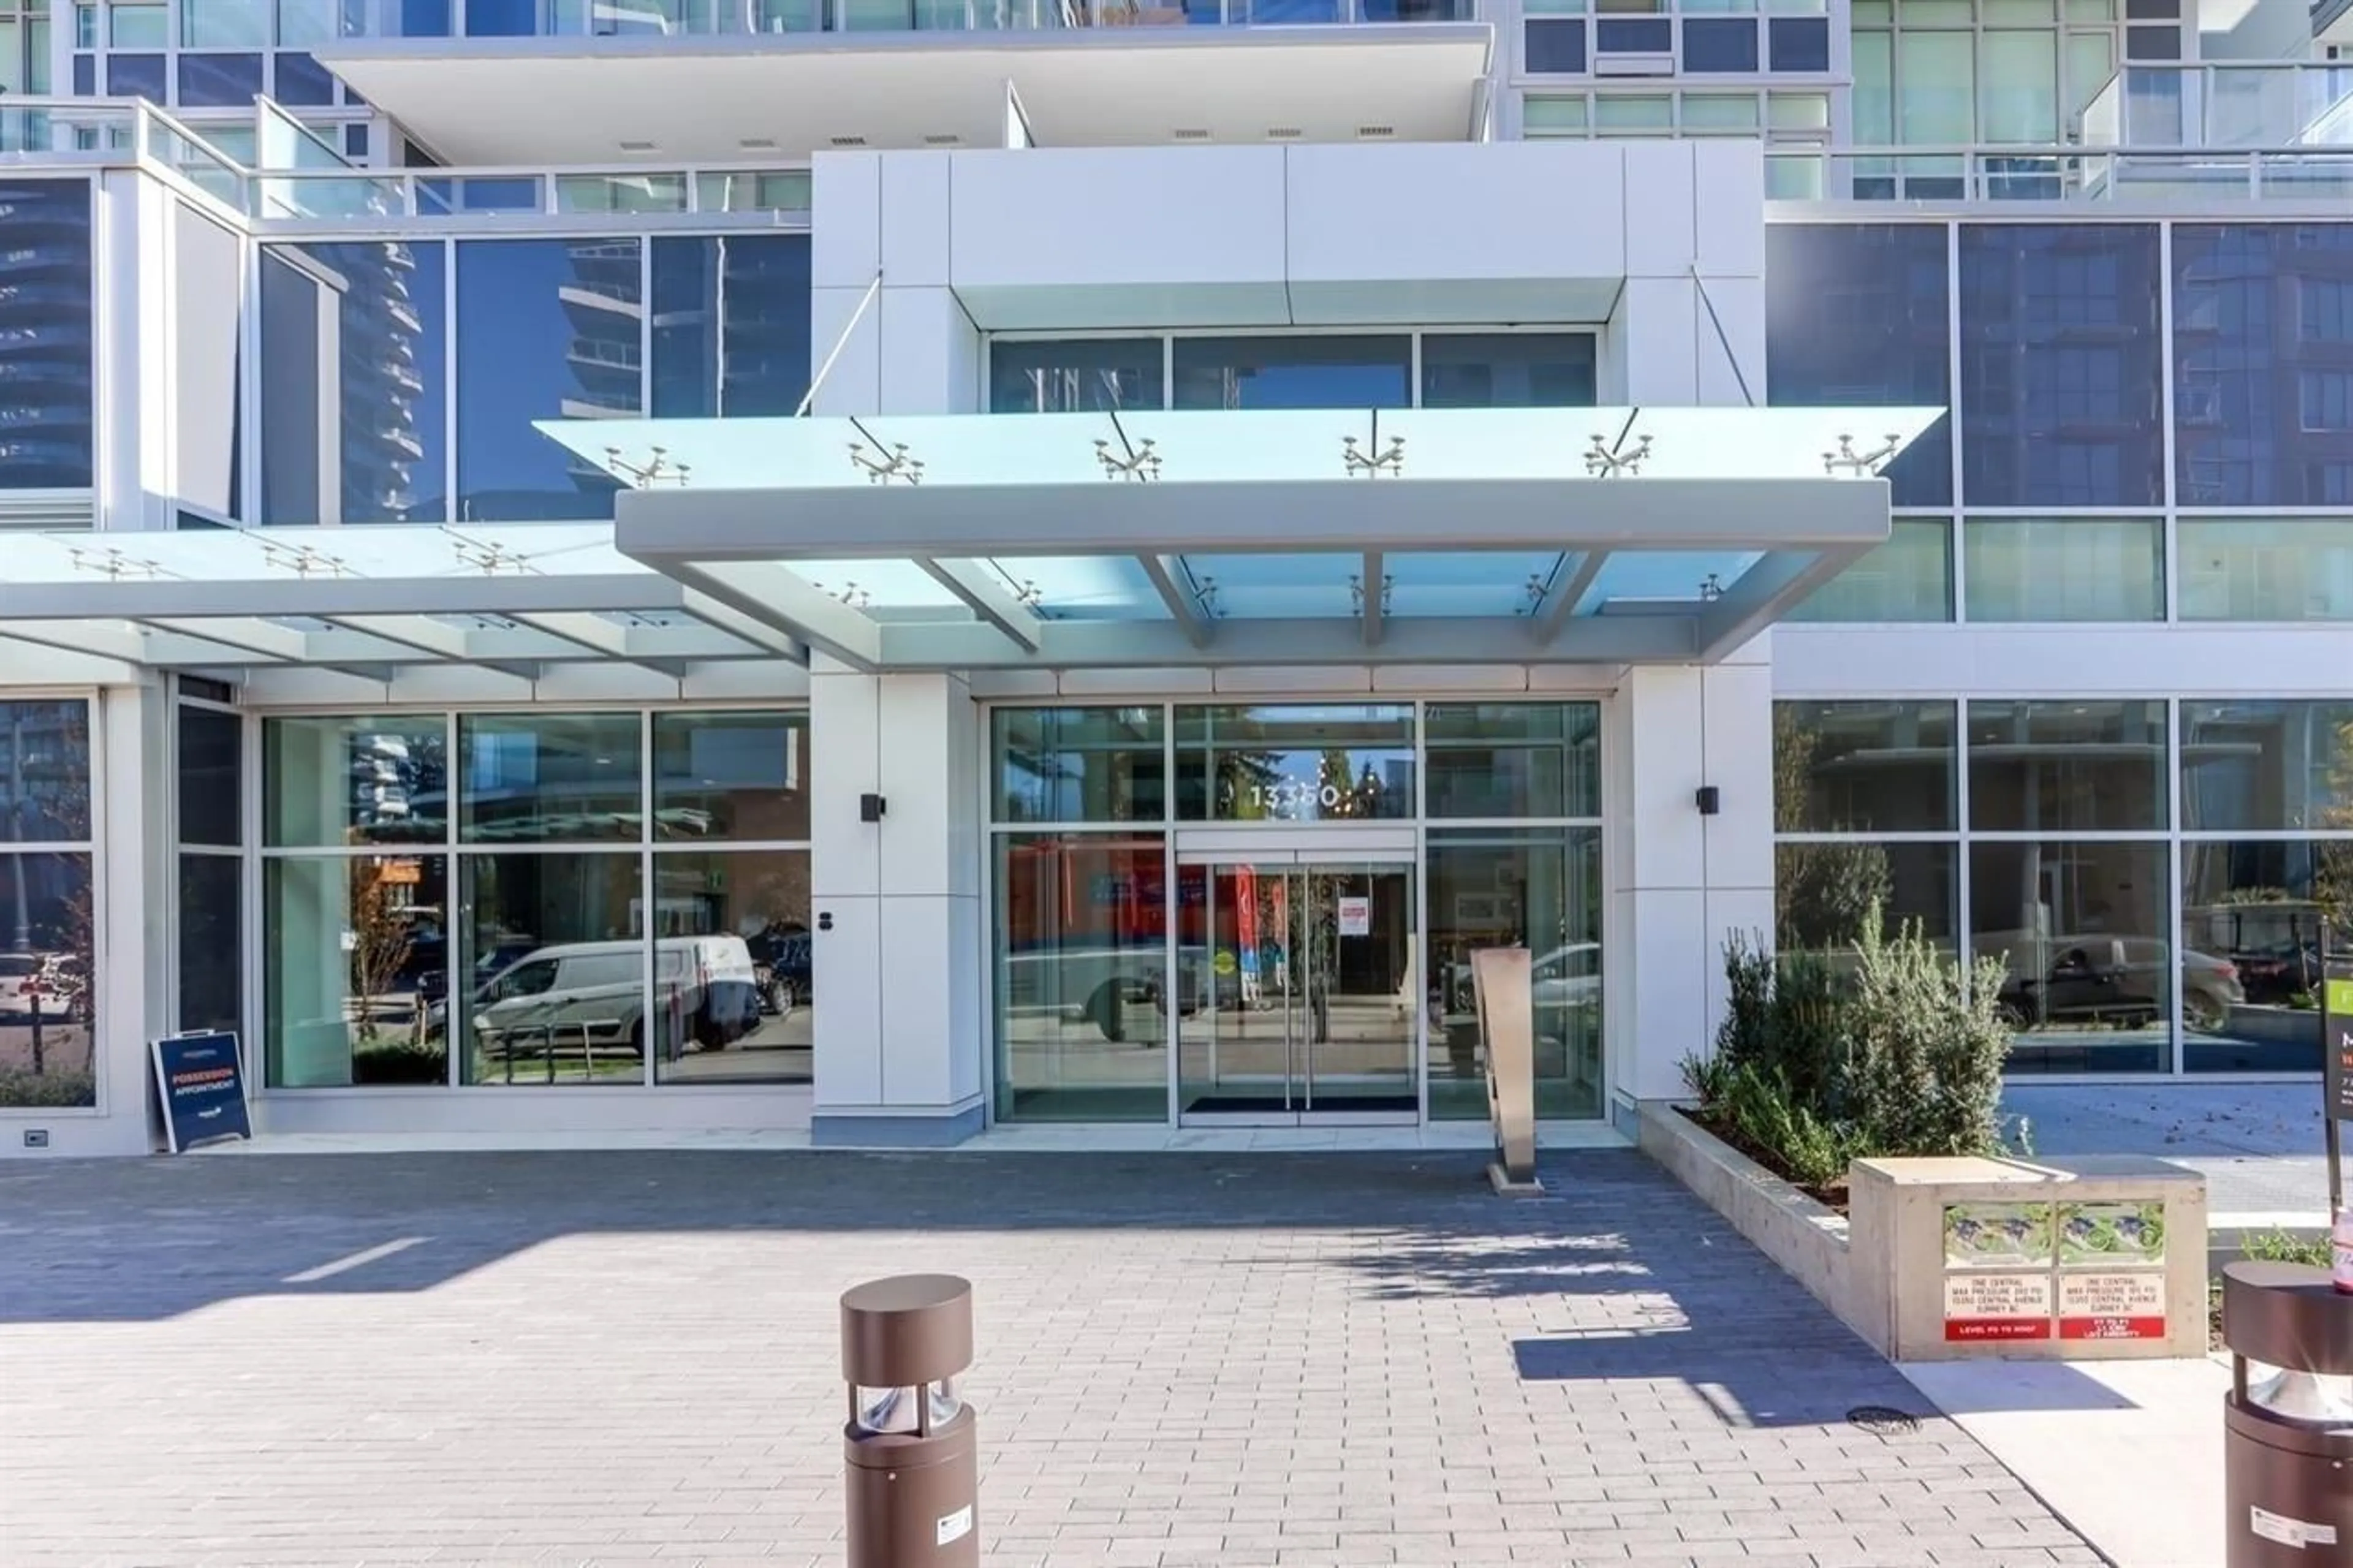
(381, 941)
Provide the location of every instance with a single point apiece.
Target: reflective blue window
(214, 80)
(1509, 369)
(2262, 365)
(502, 18)
(2061, 366)
(731, 333)
(1293, 373)
(1555, 46)
(44, 334)
(302, 82)
(355, 141)
(372, 320)
(1800, 42)
(1074, 375)
(547, 328)
(135, 76)
(1719, 44)
(1856, 316)
(85, 76)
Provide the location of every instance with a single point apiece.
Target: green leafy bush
(2282, 1247)
(44, 1089)
(1892, 1052)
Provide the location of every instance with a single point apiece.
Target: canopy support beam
(985, 597)
(1374, 594)
(1571, 580)
(1763, 594)
(1184, 606)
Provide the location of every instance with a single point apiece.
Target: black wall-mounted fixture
(870, 807)
(825, 920)
(1709, 801)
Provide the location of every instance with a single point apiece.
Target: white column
(130, 788)
(900, 1040)
(1681, 883)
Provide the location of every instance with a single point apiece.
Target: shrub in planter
(45, 1090)
(1925, 1050)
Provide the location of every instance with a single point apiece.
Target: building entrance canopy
(1150, 537)
(1606, 535)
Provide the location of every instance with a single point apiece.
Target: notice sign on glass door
(1356, 917)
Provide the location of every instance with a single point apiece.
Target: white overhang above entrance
(1154, 539)
(607, 101)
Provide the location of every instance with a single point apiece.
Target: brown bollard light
(912, 1465)
(2287, 1436)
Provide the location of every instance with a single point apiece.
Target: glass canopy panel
(296, 554)
(1286, 587)
(879, 584)
(1467, 582)
(1230, 446)
(1669, 575)
(1083, 588)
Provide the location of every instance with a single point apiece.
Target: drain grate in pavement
(1882, 1420)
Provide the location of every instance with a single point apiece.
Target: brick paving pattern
(1233, 1360)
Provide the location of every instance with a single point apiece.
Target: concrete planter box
(1970, 1258)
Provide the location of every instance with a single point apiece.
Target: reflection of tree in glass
(2332, 872)
(382, 940)
(1248, 786)
(1826, 891)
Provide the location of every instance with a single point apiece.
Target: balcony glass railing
(2296, 174)
(2226, 105)
(705, 18)
(352, 196)
(104, 131)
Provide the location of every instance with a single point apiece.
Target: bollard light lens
(893, 1409)
(2305, 1396)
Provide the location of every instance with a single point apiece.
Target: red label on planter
(1957, 1329)
(2112, 1328)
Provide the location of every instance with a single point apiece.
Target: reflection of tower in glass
(605, 305)
(396, 779)
(45, 316)
(382, 384)
(759, 327)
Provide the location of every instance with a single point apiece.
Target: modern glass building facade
(881, 624)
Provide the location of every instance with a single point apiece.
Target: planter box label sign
(201, 1082)
(2005, 1306)
(2122, 1306)
(1998, 1236)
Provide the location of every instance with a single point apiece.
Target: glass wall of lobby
(619, 898)
(1291, 874)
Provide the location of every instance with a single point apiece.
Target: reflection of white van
(593, 993)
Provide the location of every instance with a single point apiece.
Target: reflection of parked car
(2116, 980)
(594, 993)
(1100, 984)
(30, 986)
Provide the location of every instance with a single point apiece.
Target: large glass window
(2081, 926)
(211, 807)
(381, 778)
(536, 777)
(46, 368)
(733, 984)
(2251, 913)
(742, 776)
(1864, 767)
(1514, 759)
(1306, 371)
(1856, 315)
(1080, 764)
(553, 955)
(548, 328)
(1509, 369)
(1907, 579)
(1824, 892)
(731, 325)
(2066, 568)
(2264, 569)
(48, 998)
(2266, 767)
(354, 383)
(2259, 314)
(1535, 888)
(1075, 376)
(1275, 764)
(1081, 957)
(2061, 357)
(45, 773)
(356, 970)
(2067, 766)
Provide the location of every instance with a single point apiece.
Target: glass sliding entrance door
(1298, 983)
